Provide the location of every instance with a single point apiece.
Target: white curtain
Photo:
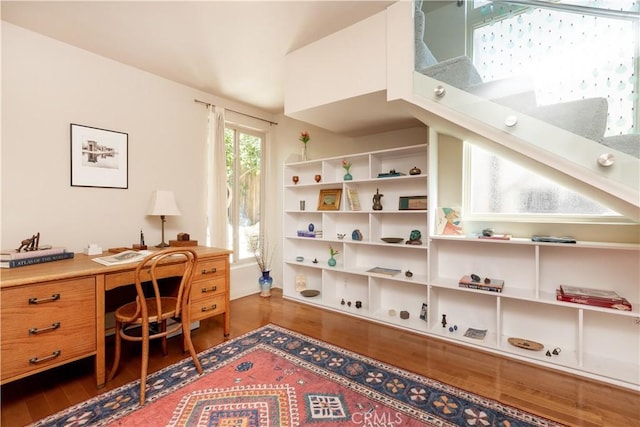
(217, 185)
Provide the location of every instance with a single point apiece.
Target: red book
(620, 304)
(580, 292)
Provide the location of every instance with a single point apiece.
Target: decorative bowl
(392, 239)
(310, 293)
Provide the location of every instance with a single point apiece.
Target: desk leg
(100, 327)
(227, 312)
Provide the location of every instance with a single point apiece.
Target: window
(244, 150)
(498, 187)
(569, 56)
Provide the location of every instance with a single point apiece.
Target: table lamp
(163, 203)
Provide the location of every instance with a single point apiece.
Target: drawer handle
(210, 271)
(52, 298)
(211, 289)
(36, 360)
(213, 307)
(35, 331)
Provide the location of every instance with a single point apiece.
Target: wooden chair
(133, 320)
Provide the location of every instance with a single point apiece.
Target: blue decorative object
(332, 262)
(347, 177)
(356, 235)
(311, 227)
(265, 282)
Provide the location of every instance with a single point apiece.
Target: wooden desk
(54, 313)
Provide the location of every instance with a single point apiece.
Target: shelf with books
(351, 277)
(527, 307)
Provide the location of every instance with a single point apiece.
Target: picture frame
(99, 157)
(412, 203)
(329, 199)
(448, 221)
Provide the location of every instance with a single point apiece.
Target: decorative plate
(526, 344)
(310, 293)
(392, 239)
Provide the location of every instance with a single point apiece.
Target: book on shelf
(553, 239)
(496, 237)
(124, 257)
(575, 291)
(22, 262)
(313, 234)
(492, 285)
(383, 270)
(618, 304)
(476, 334)
(13, 254)
(353, 199)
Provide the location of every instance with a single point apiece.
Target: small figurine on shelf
(415, 238)
(377, 206)
(30, 244)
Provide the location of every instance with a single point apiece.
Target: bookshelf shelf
(595, 342)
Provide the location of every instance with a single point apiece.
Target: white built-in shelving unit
(595, 342)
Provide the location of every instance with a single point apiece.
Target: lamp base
(162, 245)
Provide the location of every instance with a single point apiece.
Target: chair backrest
(181, 262)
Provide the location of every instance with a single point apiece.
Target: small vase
(332, 262)
(265, 282)
(305, 152)
(347, 176)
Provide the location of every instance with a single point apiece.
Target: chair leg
(163, 327)
(144, 368)
(186, 333)
(118, 347)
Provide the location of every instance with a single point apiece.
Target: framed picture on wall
(99, 157)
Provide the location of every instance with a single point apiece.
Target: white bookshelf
(599, 343)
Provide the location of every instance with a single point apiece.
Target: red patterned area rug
(276, 377)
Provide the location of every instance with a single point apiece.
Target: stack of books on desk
(590, 296)
(12, 258)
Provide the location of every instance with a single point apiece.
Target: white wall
(46, 85)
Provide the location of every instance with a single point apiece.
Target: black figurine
(377, 206)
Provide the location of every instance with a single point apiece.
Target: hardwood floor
(563, 398)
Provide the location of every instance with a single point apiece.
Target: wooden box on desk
(179, 243)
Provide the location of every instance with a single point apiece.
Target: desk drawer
(204, 289)
(211, 268)
(113, 280)
(46, 324)
(203, 308)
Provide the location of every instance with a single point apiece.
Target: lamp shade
(163, 203)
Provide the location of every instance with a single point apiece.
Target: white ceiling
(233, 49)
